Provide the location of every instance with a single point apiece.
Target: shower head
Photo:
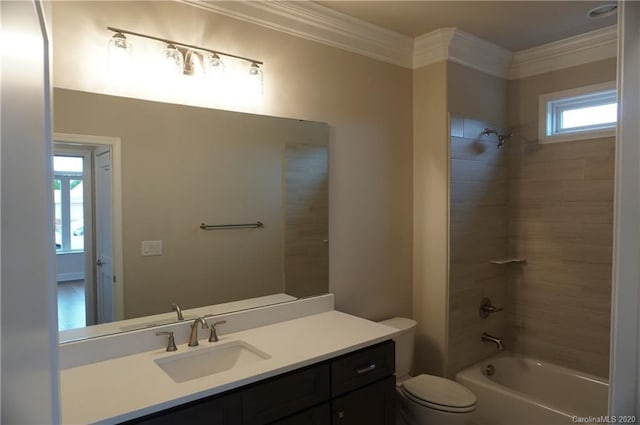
(501, 137)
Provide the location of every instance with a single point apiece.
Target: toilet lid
(439, 391)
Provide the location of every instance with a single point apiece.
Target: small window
(578, 114)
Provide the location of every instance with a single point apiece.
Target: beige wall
(182, 166)
(474, 94)
(367, 103)
(560, 219)
(430, 216)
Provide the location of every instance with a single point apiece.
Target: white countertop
(127, 387)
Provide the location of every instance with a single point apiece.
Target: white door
(105, 279)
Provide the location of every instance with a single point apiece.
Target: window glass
(589, 116)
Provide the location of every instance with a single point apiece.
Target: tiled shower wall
(561, 221)
(478, 234)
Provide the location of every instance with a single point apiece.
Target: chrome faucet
(490, 338)
(193, 338)
(175, 307)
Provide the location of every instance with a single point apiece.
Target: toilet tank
(404, 344)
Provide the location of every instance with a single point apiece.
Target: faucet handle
(486, 308)
(171, 344)
(213, 336)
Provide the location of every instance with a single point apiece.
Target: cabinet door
(285, 395)
(319, 415)
(371, 405)
(223, 410)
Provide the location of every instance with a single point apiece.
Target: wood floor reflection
(71, 305)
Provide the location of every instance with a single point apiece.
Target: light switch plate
(151, 248)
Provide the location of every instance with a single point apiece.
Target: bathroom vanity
(356, 388)
(308, 364)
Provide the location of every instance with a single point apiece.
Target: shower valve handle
(486, 308)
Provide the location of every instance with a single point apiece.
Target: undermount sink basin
(207, 361)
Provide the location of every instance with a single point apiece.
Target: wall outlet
(151, 248)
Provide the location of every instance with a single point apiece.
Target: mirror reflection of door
(104, 243)
(71, 167)
(82, 214)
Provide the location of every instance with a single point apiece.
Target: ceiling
(514, 25)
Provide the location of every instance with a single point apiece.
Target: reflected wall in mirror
(182, 166)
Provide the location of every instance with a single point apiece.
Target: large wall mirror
(134, 182)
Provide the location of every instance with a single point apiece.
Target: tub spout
(490, 338)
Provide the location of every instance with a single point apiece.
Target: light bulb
(173, 62)
(119, 54)
(255, 79)
(214, 67)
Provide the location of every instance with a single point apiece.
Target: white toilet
(426, 399)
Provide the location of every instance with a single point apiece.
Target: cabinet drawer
(285, 395)
(319, 415)
(362, 367)
(371, 405)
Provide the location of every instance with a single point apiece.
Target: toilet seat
(439, 393)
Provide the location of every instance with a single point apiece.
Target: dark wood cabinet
(281, 396)
(319, 415)
(225, 409)
(370, 405)
(354, 389)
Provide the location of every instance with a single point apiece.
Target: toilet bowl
(426, 399)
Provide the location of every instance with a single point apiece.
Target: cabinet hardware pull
(369, 368)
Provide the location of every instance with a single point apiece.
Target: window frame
(551, 106)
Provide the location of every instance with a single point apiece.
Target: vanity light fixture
(181, 58)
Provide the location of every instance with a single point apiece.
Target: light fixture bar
(188, 46)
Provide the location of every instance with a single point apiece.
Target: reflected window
(68, 198)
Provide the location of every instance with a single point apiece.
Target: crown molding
(458, 46)
(577, 50)
(314, 22)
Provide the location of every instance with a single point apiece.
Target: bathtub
(524, 391)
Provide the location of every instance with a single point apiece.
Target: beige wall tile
(599, 168)
(588, 190)
(550, 170)
(477, 234)
(560, 219)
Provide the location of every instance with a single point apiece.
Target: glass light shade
(119, 53)
(173, 62)
(214, 67)
(255, 78)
